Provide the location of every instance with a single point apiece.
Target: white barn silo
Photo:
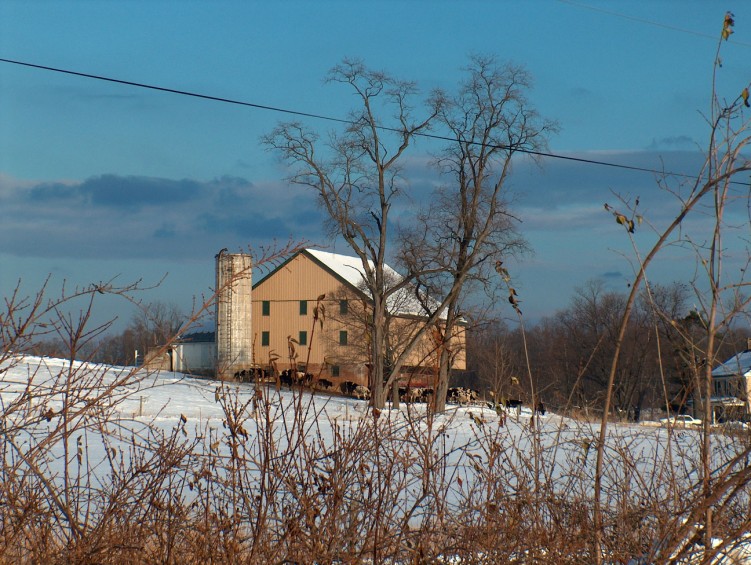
(234, 347)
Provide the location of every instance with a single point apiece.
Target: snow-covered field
(90, 426)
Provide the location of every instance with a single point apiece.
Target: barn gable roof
(349, 271)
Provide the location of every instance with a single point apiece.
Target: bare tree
(156, 323)
(468, 229)
(356, 176)
(491, 354)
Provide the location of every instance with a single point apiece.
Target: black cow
(348, 387)
(325, 384)
(285, 378)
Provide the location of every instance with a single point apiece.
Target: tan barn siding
(301, 278)
(425, 353)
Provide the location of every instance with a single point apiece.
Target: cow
(285, 378)
(252, 375)
(540, 409)
(325, 384)
(361, 392)
(461, 395)
(348, 388)
(411, 394)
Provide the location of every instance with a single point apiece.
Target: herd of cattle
(289, 378)
(410, 395)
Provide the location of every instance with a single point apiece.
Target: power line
(174, 91)
(332, 119)
(648, 22)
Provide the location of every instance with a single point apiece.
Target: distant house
(285, 303)
(193, 354)
(731, 382)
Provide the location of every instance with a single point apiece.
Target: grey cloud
(137, 217)
(165, 232)
(136, 192)
(117, 192)
(580, 92)
(247, 225)
(679, 142)
(243, 164)
(612, 275)
(560, 183)
(53, 192)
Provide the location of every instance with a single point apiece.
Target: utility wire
(174, 91)
(712, 37)
(337, 120)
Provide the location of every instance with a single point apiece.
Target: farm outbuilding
(731, 387)
(192, 356)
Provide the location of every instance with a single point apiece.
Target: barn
(310, 314)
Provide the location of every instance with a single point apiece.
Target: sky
(102, 181)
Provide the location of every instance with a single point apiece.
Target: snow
(128, 403)
(350, 269)
(739, 364)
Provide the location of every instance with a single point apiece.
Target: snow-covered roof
(350, 269)
(739, 364)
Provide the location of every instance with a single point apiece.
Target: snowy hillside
(100, 441)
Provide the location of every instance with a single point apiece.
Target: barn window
(343, 337)
(265, 338)
(335, 370)
(303, 307)
(303, 338)
(265, 307)
(343, 307)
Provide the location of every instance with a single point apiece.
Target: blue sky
(100, 180)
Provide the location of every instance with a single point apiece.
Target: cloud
(165, 232)
(145, 217)
(678, 142)
(118, 193)
(559, 203)
(612, 275)
(114, 192)
(570, 188)
(580, 92)
(52, 192)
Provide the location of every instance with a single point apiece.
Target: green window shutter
(343, 337)
(303, 338)
(303, 307)
(265, 307)
(343, 307)
(265, 339)
(335, 370)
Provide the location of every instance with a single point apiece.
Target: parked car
(682, 420)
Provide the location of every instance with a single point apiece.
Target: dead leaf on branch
(501, 270)
(513, 301)
(727, 25)
(624, 220)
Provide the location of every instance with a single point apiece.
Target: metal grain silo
(234, 350)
